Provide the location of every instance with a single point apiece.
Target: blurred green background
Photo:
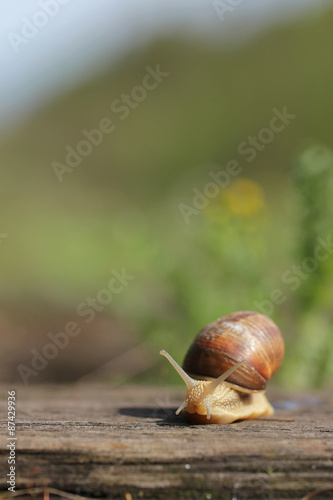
(253, 245)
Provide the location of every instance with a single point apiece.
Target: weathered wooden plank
(96, 441)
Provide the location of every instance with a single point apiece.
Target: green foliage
(313, 346)
(120, 206)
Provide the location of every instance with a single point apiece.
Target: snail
(227, 367)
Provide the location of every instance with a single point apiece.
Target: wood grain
(126, 443)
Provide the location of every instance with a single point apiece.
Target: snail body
(227, 367)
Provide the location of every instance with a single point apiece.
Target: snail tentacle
(190, 382)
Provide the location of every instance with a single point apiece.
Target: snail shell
(243, 335)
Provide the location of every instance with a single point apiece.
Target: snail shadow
(162, 416)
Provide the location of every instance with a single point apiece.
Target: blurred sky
(81, 36)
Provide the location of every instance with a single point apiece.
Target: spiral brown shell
(242, 335)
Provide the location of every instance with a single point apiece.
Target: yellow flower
(244, 198)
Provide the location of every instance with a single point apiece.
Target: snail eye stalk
(215, 383)
(190, 383)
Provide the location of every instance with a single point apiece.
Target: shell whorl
(242, 335)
